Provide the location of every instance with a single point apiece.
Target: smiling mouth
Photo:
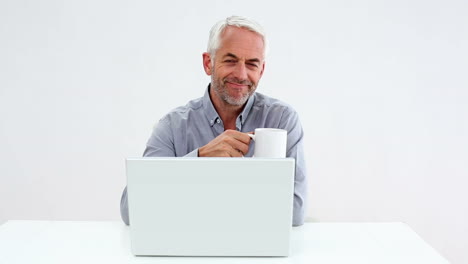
(237, 83)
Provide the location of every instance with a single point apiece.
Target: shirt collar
(245, 113)
(208, 107)
(212, 115)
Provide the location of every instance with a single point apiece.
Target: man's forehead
(231, 32)
(241, 42)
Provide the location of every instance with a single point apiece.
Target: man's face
(237, 66)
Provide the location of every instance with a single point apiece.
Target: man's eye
(252, 65)
(230, 61)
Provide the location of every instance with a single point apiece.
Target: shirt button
(218, 121)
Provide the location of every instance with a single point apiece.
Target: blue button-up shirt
(187, 128)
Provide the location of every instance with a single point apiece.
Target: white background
(381, 88)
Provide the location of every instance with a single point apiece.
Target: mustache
(237, 81)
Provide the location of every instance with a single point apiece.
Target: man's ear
(207, 63)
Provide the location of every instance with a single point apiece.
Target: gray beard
(222, 92)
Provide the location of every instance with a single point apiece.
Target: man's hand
(230, 143)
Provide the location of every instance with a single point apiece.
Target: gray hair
(215, 34)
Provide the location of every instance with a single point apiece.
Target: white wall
(381, 87)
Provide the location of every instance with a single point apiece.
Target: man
(216, 124)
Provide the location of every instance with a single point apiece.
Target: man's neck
(227, 112)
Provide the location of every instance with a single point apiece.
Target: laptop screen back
(210, 206)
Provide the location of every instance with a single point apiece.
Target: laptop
(210, 206)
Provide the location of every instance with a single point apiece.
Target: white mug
(270, 142)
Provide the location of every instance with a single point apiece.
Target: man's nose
(240, 71)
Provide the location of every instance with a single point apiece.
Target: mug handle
(252, 136)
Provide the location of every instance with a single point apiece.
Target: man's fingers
(236, 153)
(230, 143)
(241, 136)
(236, 148)
(238, 145)
(238, 140)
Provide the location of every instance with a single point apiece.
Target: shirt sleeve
(161, 142)
(295, 149)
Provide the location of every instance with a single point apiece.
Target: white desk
(314, 243)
